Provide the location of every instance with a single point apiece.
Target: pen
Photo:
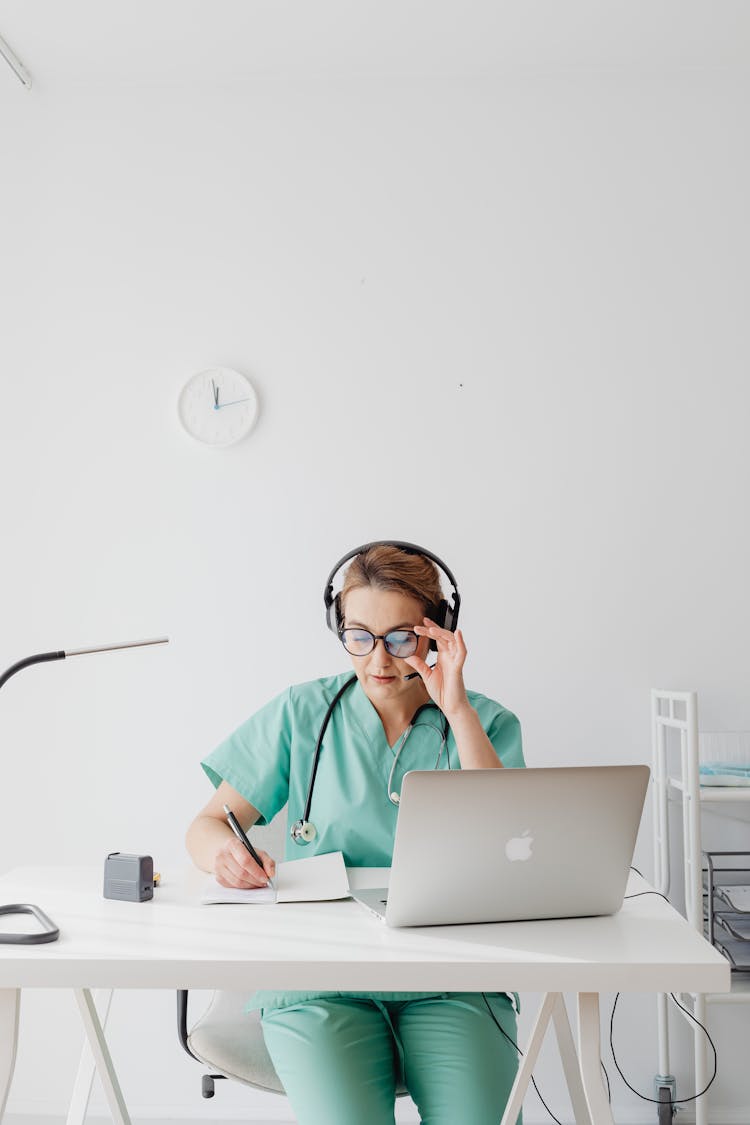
(235, 826)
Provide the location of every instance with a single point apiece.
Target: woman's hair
(390, 568)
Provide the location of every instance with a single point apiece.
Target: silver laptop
(505, 845)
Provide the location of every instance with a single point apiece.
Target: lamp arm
(43, 656)
(39, 659)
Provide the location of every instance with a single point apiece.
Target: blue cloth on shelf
(724, 773)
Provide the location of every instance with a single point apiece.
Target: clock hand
(232, 403)
(216, 395)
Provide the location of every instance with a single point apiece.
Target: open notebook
(316, 878)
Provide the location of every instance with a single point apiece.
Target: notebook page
(315, 878)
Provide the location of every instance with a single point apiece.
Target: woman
(339, 1055)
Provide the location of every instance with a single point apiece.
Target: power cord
(533, 1082)
(517, 1048)
(673, 1101)
(638, 894)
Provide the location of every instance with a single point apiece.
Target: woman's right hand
(235, 867)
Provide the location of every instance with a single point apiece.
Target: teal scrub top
(269, 757)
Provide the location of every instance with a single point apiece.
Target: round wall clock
(218, 406)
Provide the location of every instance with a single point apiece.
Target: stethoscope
(303, 831)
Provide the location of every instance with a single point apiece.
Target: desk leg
(102, 1058)
(10, 1004)
(582, 1073)
(79, 1101)
(571, 1065)
(589, 1048)
(523, 1076)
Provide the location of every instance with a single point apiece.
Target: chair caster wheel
(208, 1090)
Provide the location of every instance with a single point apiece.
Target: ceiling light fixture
(15, 64)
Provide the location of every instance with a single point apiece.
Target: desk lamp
(51, 932)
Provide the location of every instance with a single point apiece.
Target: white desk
(174, 943)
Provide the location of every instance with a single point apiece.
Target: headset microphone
(413, 674)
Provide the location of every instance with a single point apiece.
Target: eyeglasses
(360, 642)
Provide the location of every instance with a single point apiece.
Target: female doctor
(339, 1055)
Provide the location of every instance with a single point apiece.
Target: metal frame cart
(705, 879)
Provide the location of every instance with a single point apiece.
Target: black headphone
(445, 613)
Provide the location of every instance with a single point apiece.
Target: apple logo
(519, 847)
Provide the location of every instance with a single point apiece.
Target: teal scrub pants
(340, 1058)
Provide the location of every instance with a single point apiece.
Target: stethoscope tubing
(319, 743)
(300, 826)
(393, 796)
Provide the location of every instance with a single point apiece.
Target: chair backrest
(229, 1039)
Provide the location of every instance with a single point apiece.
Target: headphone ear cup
(338, 617)
(441, 615)
(332, 612)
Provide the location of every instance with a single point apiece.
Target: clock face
(218, 406)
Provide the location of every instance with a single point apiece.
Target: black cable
(713, 1048)
(515, 1045)
(673, 1101)
(639, 893)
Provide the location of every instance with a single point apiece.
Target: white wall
(506, 320)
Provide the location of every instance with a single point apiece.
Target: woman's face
(381, 611)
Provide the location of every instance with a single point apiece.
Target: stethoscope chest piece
(303, 832)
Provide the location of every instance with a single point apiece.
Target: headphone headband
(447, 611)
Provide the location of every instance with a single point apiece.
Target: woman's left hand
(444, 681)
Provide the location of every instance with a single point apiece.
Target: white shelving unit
(678, 711)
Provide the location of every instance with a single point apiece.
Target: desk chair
(230, 1041)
